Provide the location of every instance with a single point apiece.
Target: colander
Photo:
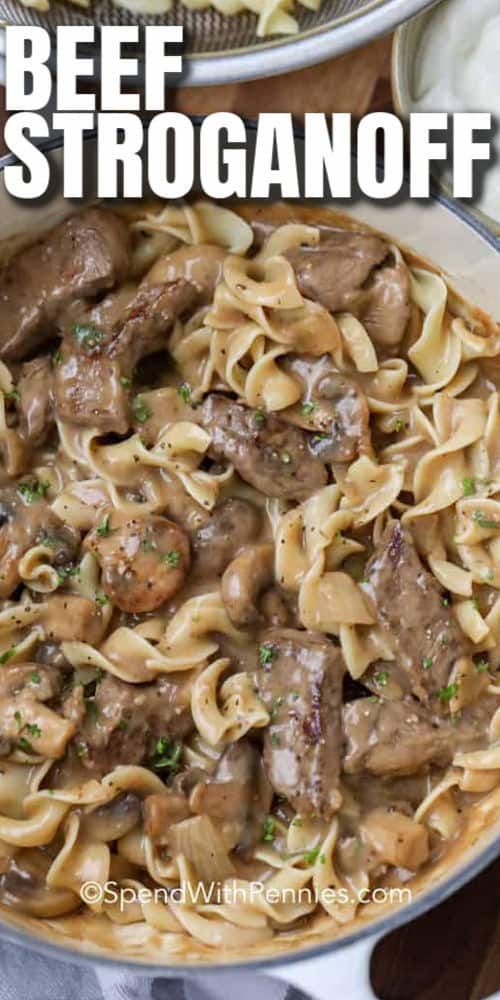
(223, 49)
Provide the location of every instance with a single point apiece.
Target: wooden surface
(452, 953)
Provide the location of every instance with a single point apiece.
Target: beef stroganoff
(249, 572)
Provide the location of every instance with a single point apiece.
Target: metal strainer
(223, 49)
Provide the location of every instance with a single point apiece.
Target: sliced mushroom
(23, 887)
(246, 577)
(113, 820)
(144, 560)
(231, 525)
(238, 794)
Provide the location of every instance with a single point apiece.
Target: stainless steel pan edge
(446, 234)
(233, 61)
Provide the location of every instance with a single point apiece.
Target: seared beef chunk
(238, 793)
(232, 524)
(426, 637)
(144, 561)
(272, 455)
(36, 400)
(341, 414)
(161, 811)
(384, 307)
(400, 737)
(27, 520)
(300, 684)
(199, 266)
(103, 345)
(333, 272)
(101, 349)
(349, 272)
(85, 255)
(89, 391)
(392, 737)
(42, 682)
(129, 719)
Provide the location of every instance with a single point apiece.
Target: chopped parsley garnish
(88, 336)
(122, 725)
(19, 719)
(171, 558)
(484, 522)
(259, 417)
(184, 391)
(147, 545)
(12, 396)
(25, 745)
(33, 491)
(269, 829)
(399, 425)
(381, 678)
(276, 705)
(447, 693)
(267, 653)
(307, 408)
(141, 410)
(445, 601)
(81, 750)
(8, 654)
(167, 755)
(482, 666)
(427, 662)
(125, 381)
(317, 438)
(101, 599)
(49, 541)
(35, 677)
(310, 857)
(286, 458)
(58, 358)
(103, 530)
(275, 740)
(34, 730)
(295, 695)
(64, 572)
(469, 486)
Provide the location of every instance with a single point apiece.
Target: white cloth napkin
(26, 975)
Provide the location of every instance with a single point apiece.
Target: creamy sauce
(458, 69)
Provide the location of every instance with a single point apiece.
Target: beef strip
(43, 682)
(300, 684)
(333, 272)
(384, 307)
(425, 635)
(346, 272)
(102, 346)
(390, 738)
(341, 416)
(239, 793)
(35, 404)
(85, 255)
(129, 719)
(272, 455)
(100, 350)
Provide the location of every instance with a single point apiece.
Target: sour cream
(457, 68)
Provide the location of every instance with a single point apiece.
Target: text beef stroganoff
(249, 572)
